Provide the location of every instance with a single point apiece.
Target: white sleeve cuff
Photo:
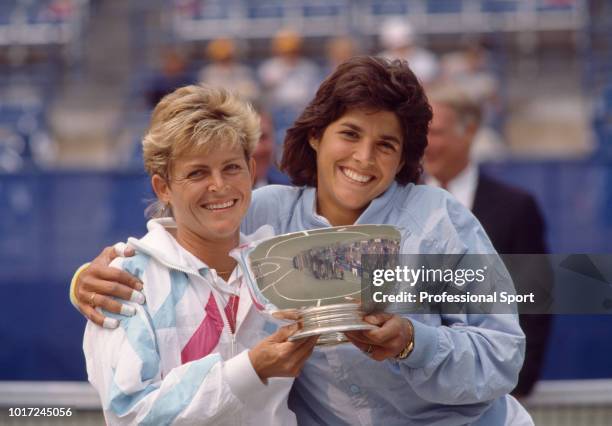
(242, 377)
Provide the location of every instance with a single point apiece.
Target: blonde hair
(196, 118)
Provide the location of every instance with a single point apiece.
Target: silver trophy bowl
(317, 277)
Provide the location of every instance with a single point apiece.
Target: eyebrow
(388, 138)
(233, 159)
(198, 164)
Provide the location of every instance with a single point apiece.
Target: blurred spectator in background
(225, 71)
(471, 69)
(510, 216)
(266, 169)
(399, 40)
(290, 79)
(24, 142)
(57, 10)
(11, 149)
(338, 50)
(172, 75)
(264, 151)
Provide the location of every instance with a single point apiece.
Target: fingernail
(110, 323)
(120, 249)
(139, 285)
(137, 297)
(128, 311)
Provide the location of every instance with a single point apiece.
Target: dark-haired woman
(354, 155)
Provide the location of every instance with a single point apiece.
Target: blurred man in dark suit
(509, 215)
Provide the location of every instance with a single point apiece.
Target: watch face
(318, 267)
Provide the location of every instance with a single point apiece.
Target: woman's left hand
(387, 341)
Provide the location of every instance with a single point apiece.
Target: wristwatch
(405, 353)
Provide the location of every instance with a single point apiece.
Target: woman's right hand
(99, 281)
(275, 356)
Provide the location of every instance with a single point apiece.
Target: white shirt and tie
(463, 186)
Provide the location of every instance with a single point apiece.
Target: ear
(161, 188)
(253, 170)
(314, 143)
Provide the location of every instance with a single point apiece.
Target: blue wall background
(50, 223)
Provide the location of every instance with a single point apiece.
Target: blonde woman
(183, 356)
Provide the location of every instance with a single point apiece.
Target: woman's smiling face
(209, 192)
(358, 157)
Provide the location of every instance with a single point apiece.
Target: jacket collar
(371, 214)
(161, 245)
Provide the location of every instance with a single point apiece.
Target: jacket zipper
(227, 327)
(232, 335)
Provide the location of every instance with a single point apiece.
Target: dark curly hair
(362, 82)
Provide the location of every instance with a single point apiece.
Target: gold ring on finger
(91, 300)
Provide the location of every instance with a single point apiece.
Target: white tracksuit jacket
(177, 361)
